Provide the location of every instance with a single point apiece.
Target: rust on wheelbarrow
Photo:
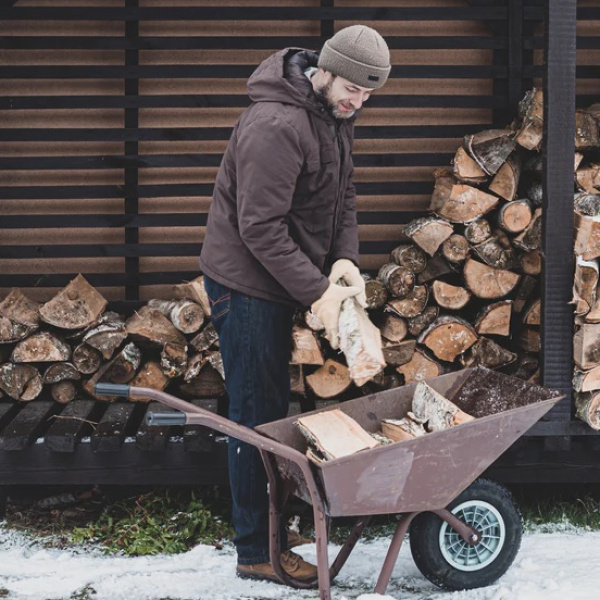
(408, 477)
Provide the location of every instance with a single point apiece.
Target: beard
(324, 97)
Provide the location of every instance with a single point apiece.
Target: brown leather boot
(295, 539)
(292, 564)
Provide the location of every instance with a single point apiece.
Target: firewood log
(578, 159)
(450, 296)
(419, 367)
(205, 339)
(487, 353)
(173, 359)
(58, 372)
(586, 349)
(466, 169)
(41, 347)
(531, 109)
(529, 340)
(448, 336)
(531, 237)
(76, 306)
(494, 318)
(506, 180)
(393, 327)
(437, 412)
(107, 336)
(87, 360)
(588, 178)
(123, 367)
(586, 381)
(19, 317)
(587, 204)
(207, 384)
(297, 385)
(495, 254)
(490, 148)
(588, 408)
(187, 316)
(437, 267)
(532, 315)
(399, 430)
(456, 248)
(515, 216)
(20, 381)
(195, 291)
(397, 354)
(215, 359)
(412, 305)
(423, 320)
(531, 262)
(428, 233)
(375, 292)
(587, 236)
(586, 131)
(458, 202)
(398, 280)
(478, 231)
(305, 348)
(63, 392)
(409, 256)
(524, 293)
(149, 376)
(488, 283)
(194, 365)
(330, 380)
(150, 326)
(527, 365)
(360, 341)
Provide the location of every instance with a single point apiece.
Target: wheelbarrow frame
(310, 481)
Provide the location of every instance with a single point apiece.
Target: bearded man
(281, 234)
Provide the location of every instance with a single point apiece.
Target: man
(283, 214)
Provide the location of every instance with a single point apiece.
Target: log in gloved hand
(327, 309)
(349, 273)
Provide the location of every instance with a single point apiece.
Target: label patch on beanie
(373, 78)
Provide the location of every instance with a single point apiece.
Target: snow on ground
(563, 565)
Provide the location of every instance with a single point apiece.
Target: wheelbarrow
(463, 533)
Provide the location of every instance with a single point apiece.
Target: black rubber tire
(425, 540)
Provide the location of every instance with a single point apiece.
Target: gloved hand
(327, 309)
(348, 272)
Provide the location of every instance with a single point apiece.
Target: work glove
(348, 272)
(327, 309)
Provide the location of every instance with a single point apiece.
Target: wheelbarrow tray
(424, 473)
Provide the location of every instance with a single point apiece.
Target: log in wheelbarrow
(464, 533)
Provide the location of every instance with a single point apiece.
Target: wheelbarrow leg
(393, 551)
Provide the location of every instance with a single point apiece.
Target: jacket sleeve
(345, 244)
(269, 160)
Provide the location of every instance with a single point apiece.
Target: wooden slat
(197, 438)
(70, 425)
(154, 439)
(31, 421)
(114, 425)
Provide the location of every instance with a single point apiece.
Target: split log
(531, 110)
(495, 254)
(578, 158)
(450, 296)
(187, 316)
(534, 190)
(428, 233)
(531, 262)
(375, 292)
(63, 392)
(61, 372)
(448, 336)
(588, 178)
(527, 366)
(297, 380)
(330, 380)
(458, 202)
(360, 341)
(215, 359)
(466, 169)
(529, 340)
(173, 359)
(494, 319)
(437, 412)
(194, 365)
(398, 280)
(195, 291)
(436, 267)
(305, 348)
(478, 231)
(456, 248)
(107, 336)
(409, 256)
(490, 148)
(506, 180)
(532, 315)
(419, 367)
(19, 317)
(20, 381)
(488, 283)
(586, 381)
(205, 339)
(76, 306)
(515, 216)
(423, 320)
(11, 331)
(393, 328)
(123, 367)
(87, 360)
(586, 346)
(397, 354)
(315, 324)
(588, 408)
(487, 353)
(524, 293)
(149, 376)
(586, 131)
(41, 347)
(588, 204)
(411, 306)
(531, 237)
(399, 430)
(207, 384)
(593, 316)
(587, 236)
(150, 326)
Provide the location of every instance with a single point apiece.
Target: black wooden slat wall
(114, 116)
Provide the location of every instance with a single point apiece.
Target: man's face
(342, 97)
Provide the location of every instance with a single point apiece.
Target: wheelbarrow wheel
(447, 560)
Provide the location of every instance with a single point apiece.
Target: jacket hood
(281, 78)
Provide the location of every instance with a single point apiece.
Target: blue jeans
(255, 341)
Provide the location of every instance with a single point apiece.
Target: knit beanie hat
(358, 54)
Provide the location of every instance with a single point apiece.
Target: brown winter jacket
(283, 208)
